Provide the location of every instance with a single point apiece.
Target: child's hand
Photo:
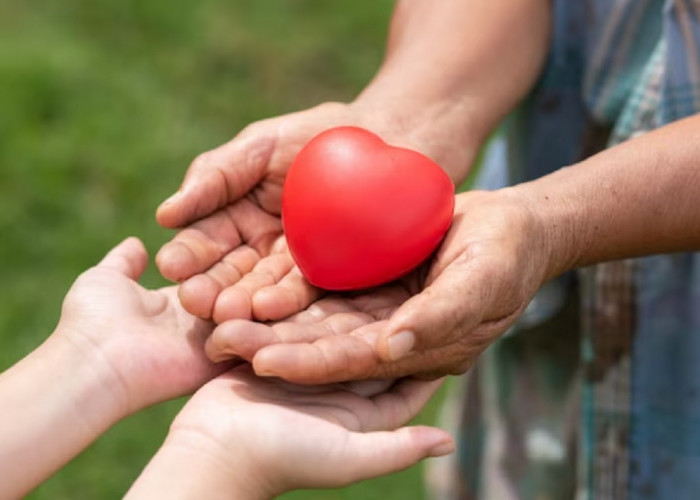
(245, 437)
(117, 348)
(141, 342)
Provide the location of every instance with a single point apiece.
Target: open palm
(433, 322)
(229, 208)
(230, 249)
(142, 341)
(298, 436)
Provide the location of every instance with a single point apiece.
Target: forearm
(465, 63)
(53, 406)
(638, 198)
(182, 471)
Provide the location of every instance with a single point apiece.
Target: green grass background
(103, 103)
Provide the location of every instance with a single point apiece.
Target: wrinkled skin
(230, 248)
(484, 274)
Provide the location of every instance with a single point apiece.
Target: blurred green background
(103, 104)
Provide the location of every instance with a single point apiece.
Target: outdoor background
(103, 103)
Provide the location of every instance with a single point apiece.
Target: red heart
(358, 212)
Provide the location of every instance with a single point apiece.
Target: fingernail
(401, 344)
(264, 372)
(444, 448)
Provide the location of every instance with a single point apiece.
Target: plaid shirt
(596, 393)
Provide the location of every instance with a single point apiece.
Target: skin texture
(502, 246)
(638, 198)
(454, 306)
(117, 349)
(230, 250)
(238, 437)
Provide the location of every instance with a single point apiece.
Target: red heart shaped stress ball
(358, 212)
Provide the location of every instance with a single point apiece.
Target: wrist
(99, 395)
(559, 224)
(191, 465)
(506, 221)
(50, 396)
(440, 126)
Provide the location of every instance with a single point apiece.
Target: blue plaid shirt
(601, 398)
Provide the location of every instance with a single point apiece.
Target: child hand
(117, 348)
(241, 436)
(141, 342)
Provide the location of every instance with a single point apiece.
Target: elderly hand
(436, 321)
(231, 244)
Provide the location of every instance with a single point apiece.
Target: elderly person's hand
(426, 96)
(229, 208)
(502, 246)
(435, 321)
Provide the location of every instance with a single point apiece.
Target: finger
(219, 177)
(196, 248)
(329, 316)
(236, 302)
(454, 302)
(245, 338)
(238, 338)
(334, 317)
(198, 294)
(392, 404)
(337, 358)
(403, 402)
(379, 303)
(379, 453)
(368, 388)
(323, 308)
(352, 356)
(129, 258)
(292, 294)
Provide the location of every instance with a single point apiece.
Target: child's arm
(117, 349)
(250, 438)
(53, 405)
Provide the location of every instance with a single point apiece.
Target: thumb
(430, 318)
(380, 453)
(129, 257)
(219, 177)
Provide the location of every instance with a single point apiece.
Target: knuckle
(330, 106)
(251, 129)
(202, 160)
(459, 368)
(473, 343)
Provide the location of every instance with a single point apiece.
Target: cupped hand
(141, 341)
(229, 208)
(280, 436)
(230, 249)
(436, 321)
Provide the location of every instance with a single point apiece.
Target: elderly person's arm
(638, 198)
(451, 72)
